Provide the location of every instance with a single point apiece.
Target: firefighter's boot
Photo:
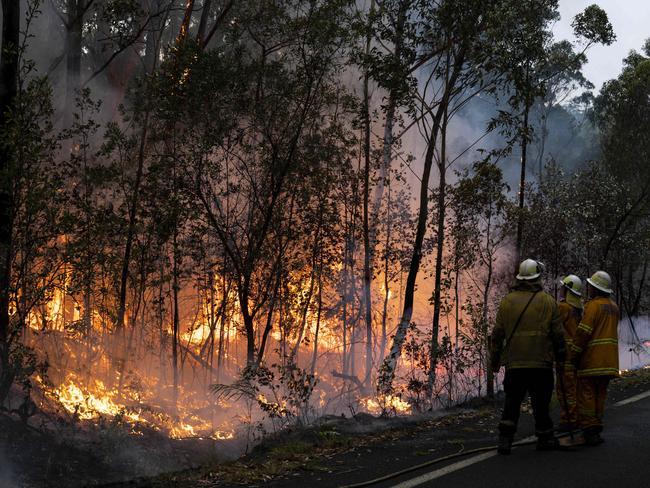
(593, 438)
(547, 442)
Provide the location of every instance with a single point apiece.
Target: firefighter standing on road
(570, 307)
(527, 337)
(594, 353)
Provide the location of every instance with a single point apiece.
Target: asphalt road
(621, 462)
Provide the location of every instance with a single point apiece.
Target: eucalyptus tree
(30, 265)
(459, 46)
(481, 198)
(534, 65)
(621, 114)
(251, 114)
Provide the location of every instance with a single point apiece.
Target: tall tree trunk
(367, 249)
(269, 317)
(389, 365)
(440, 229)
(522, 183)
(314, 358)
(384, 315)
(391, 109)
(74, 25)
(489, 383)
(133, 212)
(185, 24)
(8, 91)
(387, 372)
(203, 23)
(344, 299)
(176, 319)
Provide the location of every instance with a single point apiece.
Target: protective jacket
(570, 314)
(538, 339)
(595, 345)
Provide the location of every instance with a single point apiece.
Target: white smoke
(634, 342)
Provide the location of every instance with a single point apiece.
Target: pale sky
(631, 22)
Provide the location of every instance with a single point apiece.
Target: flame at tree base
(388, 403)
(92, 403)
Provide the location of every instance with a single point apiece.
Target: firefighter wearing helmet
(526, 339)
(570, 307)
(594, 353)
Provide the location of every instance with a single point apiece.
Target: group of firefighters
(533, 333)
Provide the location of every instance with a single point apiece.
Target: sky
(631, 22)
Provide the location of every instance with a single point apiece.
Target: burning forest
(222, 219)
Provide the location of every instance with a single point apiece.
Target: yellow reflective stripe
(598, 371)
(599, 342)
(575, 348)
(587, 328)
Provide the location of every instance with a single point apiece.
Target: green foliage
(282, 392)
(593, 25)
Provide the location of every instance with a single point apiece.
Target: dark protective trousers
(538, 383)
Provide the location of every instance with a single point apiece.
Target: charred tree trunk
(367, 245)
(176, 319)
(133, 213)
(384, 316)
(344, 299)
(484, 322)
(389, 365)
(440, 229)
(314, 358)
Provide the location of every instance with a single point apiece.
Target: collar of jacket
(532, 285)
(573, 300)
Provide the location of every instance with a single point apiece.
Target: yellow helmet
(601, 280)
(573, 284)
(530, 269)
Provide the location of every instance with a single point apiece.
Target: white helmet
(530, 269)
(573, 284)
(601, 280)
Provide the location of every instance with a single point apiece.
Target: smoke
(634, 339)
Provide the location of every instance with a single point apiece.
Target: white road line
(446, 470)
(432, 475)
(633, 399)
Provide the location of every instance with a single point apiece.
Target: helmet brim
(527, 277)
(598, 287)
(576, 293)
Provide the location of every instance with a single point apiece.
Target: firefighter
(594, 353)
(570, 307)
(527, 337)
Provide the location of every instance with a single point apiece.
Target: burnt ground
(335, 452)
(68, 455)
